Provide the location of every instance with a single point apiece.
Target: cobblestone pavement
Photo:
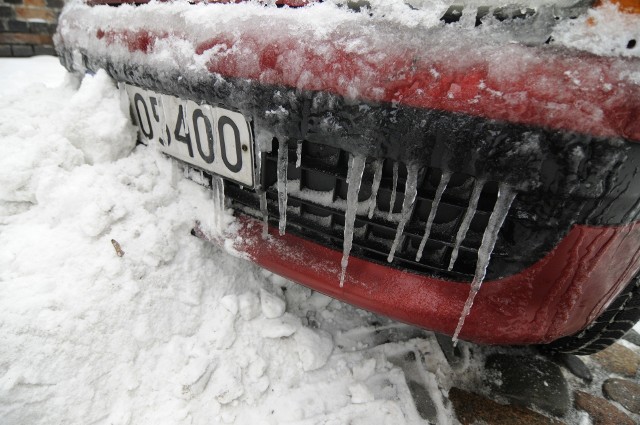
(516, 385)
(542, 388)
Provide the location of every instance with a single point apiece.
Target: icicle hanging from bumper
(217, 194)
(283, 162)
(506, 195)
(466, 220)
(410, 192)
(377, 177)
(392, 202)
(299, 154)
(354, 178)
(444, 180)
(260, 189)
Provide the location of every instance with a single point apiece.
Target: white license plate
(211, 138)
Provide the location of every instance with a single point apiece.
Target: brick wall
(26, 26)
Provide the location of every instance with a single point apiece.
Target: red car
(469, 170)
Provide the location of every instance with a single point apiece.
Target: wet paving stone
(600, 410)
(472, 408)
(424, 405)
(619, 359)
(625, 392)
(574, 365)
(529, 381)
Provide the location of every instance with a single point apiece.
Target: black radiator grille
(323, 169)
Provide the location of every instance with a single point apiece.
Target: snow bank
(174, 330)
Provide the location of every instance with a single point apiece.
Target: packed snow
(111, 312)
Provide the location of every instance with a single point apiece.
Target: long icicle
(354, 178)
(506, 195)
(283, 162)
(392, 202)
(299, 154)
(262, 192)
(444, 180)
(466, 220)
(377, 177)
(410, 192)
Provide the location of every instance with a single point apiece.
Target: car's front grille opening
(317, 194)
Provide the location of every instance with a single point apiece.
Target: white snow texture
(174, 331)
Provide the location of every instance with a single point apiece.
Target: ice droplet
(444, 180)
(377, 177)
(410, 192)
(354, 178)
(466, 220)
(283, 162)
(506, 195)
(392, 202)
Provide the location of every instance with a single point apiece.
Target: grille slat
(317, 202)
(337, 180)
(322, 220)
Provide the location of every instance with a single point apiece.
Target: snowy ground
(175, 330)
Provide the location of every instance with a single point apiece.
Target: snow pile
(57, 135)
(166, 328)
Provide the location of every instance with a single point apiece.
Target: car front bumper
(560, 127)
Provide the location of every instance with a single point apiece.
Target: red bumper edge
(558, 296)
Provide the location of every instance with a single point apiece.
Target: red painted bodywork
(558, 296)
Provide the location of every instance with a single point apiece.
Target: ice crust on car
(197, 40)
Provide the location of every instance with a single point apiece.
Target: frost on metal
(354, 178)
(506, 195)
(283, 162)
(410, 192)
(444, 180)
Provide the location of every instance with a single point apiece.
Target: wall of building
(26, 26)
